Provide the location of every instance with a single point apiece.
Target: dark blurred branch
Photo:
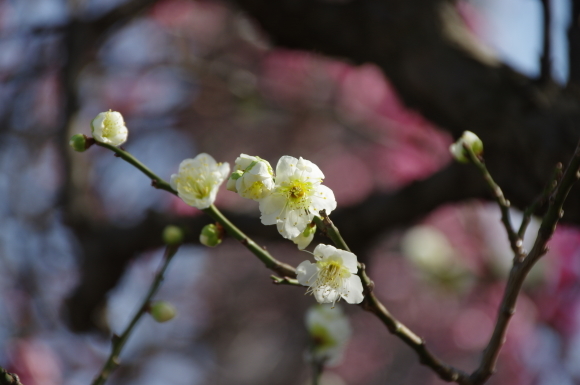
(574, 44)
(546, 58)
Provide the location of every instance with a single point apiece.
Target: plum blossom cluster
(288, 198)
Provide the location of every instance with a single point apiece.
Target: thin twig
(156, 181)
(269, 261)
(504, 205)
(521, 268)
(285, 281)
(119, 341)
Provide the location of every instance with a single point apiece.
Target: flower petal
(306, 273)
(354, 290)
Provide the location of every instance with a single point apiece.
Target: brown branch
(521, 268)
(372, 304)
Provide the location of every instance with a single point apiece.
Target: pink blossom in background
(35, 362)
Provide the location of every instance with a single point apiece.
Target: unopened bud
(80, 142)
(162, 311)
(172, 235)
(304, 239)
(211, 235)
(470, 140)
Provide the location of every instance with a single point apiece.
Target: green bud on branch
(172, 235)
(80, 142)
(211, 235)
(162, 311)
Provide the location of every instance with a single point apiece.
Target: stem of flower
(119, 341)
(156, 181)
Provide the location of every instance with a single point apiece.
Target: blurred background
(80, 233)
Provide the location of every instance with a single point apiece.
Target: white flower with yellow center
(109, 128)
(199, 179)
(297, 197)
(329, 331)
(252, 178)
(332, 276)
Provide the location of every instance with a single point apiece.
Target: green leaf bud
(80, 142)
(162, 311)
(172, 235)
(211, 235)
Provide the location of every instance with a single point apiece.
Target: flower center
(296, 192)
(256, 190)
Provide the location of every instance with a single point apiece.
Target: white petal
(285, 169)
(312, 170)
(271, 208)
(306, 273)
(303, 241)
(323, 251)
(323, 199)
(354, 290)
(349, 260)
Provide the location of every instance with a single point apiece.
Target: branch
(574, 44)
(372, 304)
(546, 58)
(521, 268)
(119, 341)
(157, 182)
(504, 204)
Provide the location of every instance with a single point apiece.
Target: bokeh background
(80, 233)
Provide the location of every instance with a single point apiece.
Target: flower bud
(172, 235)
(304, 239)
(109, 127)
(211, 235)
(80, 142)
(470, 140)
(253, 177)
(162, 311)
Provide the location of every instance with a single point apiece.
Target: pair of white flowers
(289, 199)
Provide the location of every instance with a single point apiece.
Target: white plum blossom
(330, 331)
(109, 128)
(199, 179)
(472, 141)
(252, 178)
(332, 276)
(296, 198)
